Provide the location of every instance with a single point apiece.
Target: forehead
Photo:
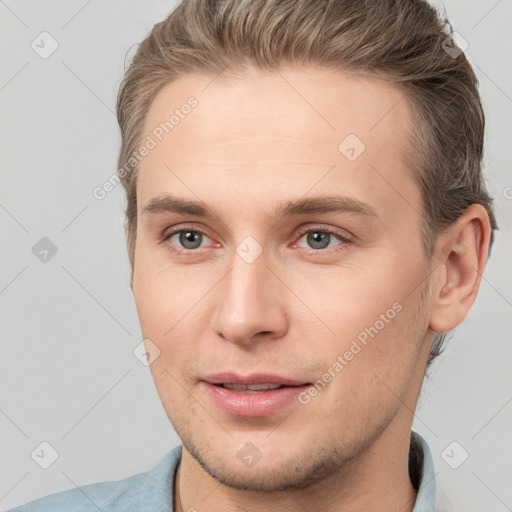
(318, 103)
(286, 130)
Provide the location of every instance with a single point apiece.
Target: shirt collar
(426, 498)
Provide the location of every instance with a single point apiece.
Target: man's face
(263, 292)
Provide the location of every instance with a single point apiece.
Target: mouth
(254, 388)
(267, 379)
(253, 395)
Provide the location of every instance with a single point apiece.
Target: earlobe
(462, 254)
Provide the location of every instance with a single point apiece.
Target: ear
(461, 255)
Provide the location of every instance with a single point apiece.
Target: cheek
(176, 394)
(390, 350)
(374, 368)
(372, 314)
(351, 300)
(164, 294)
(170, 305)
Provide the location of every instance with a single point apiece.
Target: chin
(296, 469)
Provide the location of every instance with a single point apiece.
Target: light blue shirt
(153, 491)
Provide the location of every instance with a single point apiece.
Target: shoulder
(135, 493)
(91, 497)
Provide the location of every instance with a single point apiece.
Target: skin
(252, 142)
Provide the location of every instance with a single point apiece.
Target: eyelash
(312, 252)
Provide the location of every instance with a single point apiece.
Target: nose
(250, 303)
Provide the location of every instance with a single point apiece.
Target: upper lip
(255, 378)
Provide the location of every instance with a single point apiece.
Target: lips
(255, 382)
(256, 395)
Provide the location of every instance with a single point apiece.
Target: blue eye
(188, 239)
(318, 240)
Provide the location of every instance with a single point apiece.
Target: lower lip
(261, 403)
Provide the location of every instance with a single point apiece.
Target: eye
(184, 240)
(187, 241)
(322, 238)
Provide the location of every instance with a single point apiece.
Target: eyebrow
(317, 204)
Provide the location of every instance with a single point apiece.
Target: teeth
(251, 387)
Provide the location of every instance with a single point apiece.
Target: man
(306, 218)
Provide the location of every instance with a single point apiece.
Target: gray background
(69, 325)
